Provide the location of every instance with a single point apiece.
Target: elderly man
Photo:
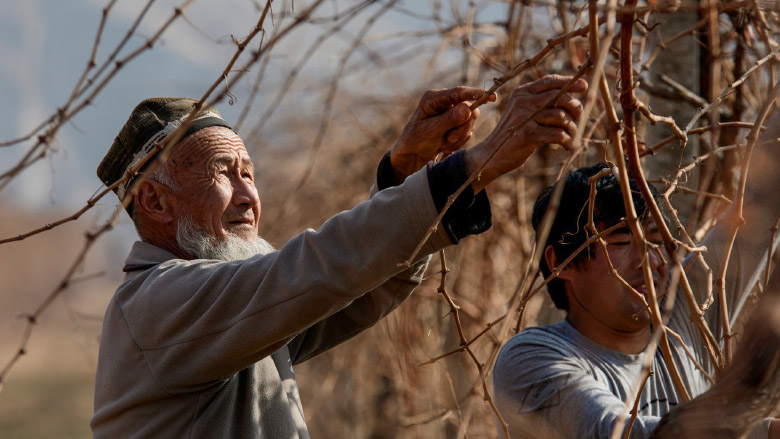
(572, 379)
(200, 338)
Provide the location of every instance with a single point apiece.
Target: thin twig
(464, 342)
(65, 114)
(729, 89)
(646, 374)
(629, 103)
(752, 139)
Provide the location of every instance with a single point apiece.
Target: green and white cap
(150, 123)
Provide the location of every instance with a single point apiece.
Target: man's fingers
(546, 134)
(458, 134)
(450, 147)
(457, 115)
(566, 102)
(462, 121)
(435, 102)
(571, 104)
(556, 117)
(457, 137)
(556, 82)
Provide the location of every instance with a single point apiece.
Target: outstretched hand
(442, 123)
(554, 124)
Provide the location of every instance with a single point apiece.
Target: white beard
(198, 243)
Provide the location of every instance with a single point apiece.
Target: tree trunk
(679, 61)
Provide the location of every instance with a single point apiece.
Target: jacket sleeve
(198, 322)
(365, 311)
(361, 314)
(469, 215)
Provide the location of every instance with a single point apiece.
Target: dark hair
(569, 229)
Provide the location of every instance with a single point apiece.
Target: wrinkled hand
(442, 123)
(555, 124)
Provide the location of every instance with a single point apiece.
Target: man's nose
(657, 259)
(245, 192)
(653, 255)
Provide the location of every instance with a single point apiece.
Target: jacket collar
(144, 255)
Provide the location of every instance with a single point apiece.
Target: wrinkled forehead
(206, 146)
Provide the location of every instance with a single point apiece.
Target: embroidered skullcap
(150, 123)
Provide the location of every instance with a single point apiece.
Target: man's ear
(153, 200)
(550, 258)
(552, 261)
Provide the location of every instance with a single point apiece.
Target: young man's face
(600, 300)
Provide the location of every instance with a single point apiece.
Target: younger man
(572, 379)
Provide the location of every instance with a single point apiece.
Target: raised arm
(246, 310)
(441, 123)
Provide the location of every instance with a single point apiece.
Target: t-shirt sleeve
(760, 430)
(543, 392)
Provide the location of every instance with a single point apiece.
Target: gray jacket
(204, 348)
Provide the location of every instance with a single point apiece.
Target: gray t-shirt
(553, 382)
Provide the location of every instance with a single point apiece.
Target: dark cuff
(384, 173)
(469, 214)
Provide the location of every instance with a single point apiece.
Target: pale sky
(44, 46)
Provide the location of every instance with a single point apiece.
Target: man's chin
(245, 235)
(242, 230)
(245, 245)
(641, 315)
(637, 308)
